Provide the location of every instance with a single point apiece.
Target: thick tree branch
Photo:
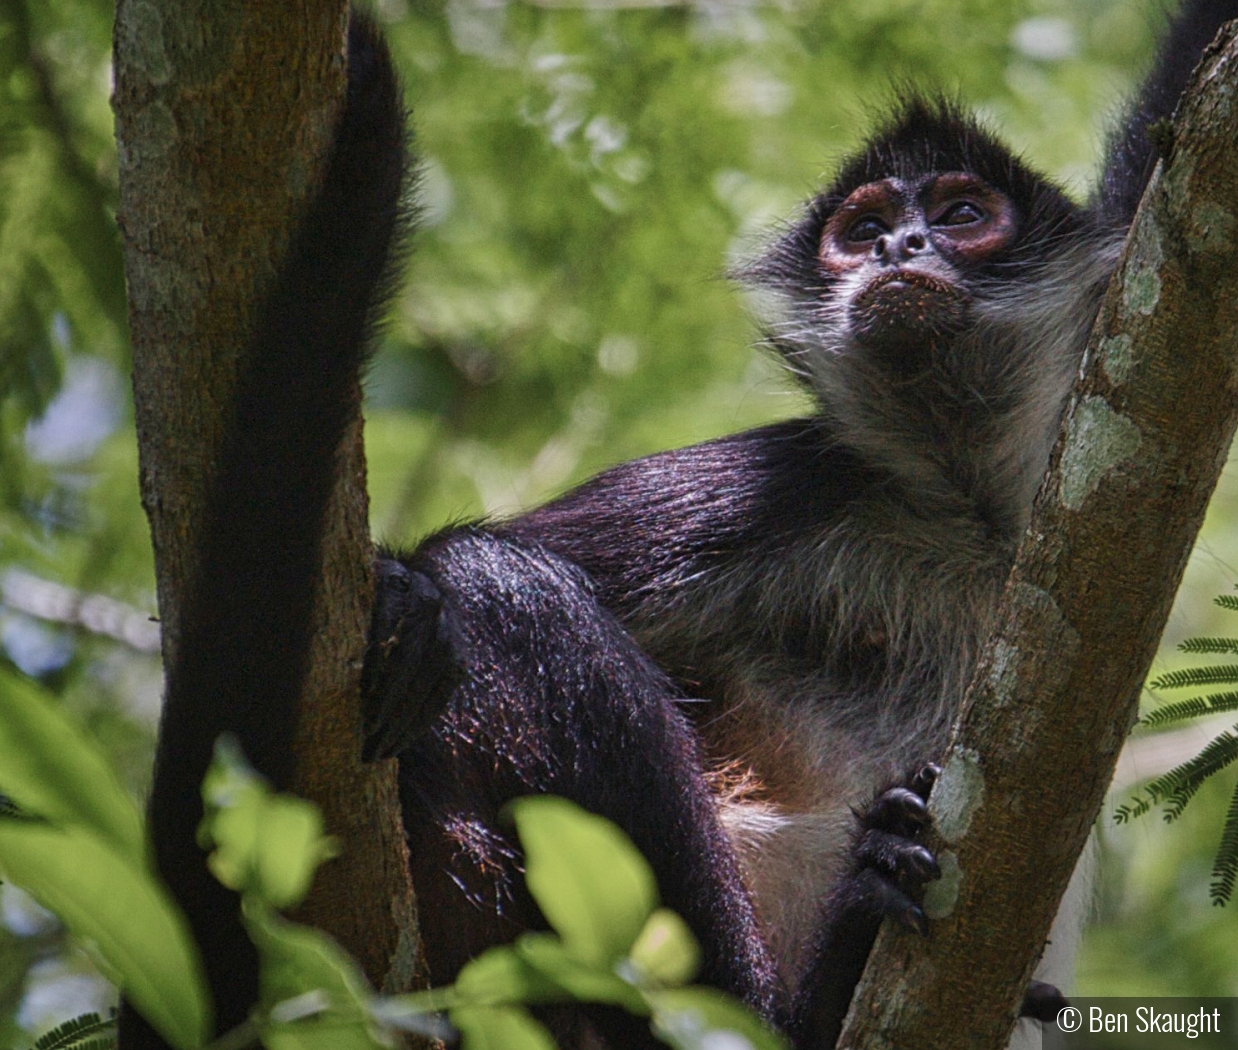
(225, 110)
(1142, 444)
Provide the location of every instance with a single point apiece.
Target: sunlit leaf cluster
(77, 847)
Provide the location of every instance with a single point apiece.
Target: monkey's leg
(889, 869)
(553, 696)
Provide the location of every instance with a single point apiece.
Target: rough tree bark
(224, 113)
(1142, 444)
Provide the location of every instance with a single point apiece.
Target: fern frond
(84, 1032)
(1178, 786)
(1137, 808)
(1195, 707)
(1225, 867)
(1218, 674)
(98, 1042)
(1209, 645)
(1162, 787)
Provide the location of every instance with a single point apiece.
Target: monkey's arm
(680, 540)
(1133, 151)
(674, 531)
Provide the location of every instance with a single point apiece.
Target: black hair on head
(924, 134)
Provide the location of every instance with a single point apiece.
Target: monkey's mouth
(902, 308)
(909, 279)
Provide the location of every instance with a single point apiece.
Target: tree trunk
(224, 113)
(1142, 444)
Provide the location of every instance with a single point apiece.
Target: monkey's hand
(891, 867)
(414, 661)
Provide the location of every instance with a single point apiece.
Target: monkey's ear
(415, 660)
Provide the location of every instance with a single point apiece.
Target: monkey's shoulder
(680, 510)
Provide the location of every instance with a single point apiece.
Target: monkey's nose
(901, 245)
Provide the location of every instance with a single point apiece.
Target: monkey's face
(900, 251)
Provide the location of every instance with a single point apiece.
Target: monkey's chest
(788, 782)
(790, 862)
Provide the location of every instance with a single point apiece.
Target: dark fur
(823, 583)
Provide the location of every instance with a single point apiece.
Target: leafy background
(591, 170)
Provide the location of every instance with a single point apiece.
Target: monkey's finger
(922, 783)
(887, 900)
(894, 855)
(899, 810)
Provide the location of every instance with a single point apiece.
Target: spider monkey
(822, 584)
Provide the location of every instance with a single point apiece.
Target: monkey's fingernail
(922, 783)
(922, 865)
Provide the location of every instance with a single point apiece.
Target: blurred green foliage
(590, 172)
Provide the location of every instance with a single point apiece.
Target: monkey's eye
(866, 229)
(960, 213)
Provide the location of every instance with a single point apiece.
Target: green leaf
(102, 895)
(1194, 707)
(591, 883)
(266, 844)
(549, 956)
(55, 771)
(315, 995)
(321, 1034)
(666, 952)
(499, 976)
(707, 1019)
(1197, 646)
(1225, 867)
(1186, 677)
(500, 1028)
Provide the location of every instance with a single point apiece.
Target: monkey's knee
(414, 661)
